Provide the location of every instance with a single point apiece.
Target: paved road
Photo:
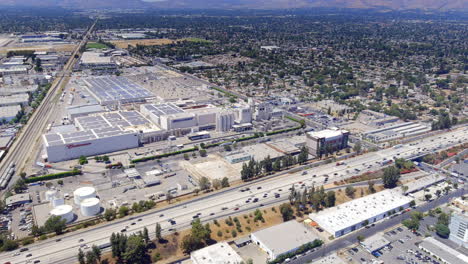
(384, 225)
(20, 152)
(220, 204)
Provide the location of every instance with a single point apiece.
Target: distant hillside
(246, 4)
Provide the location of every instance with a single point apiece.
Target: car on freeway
(123, 230)
(161, 215)
(29, 255)
(81, 240)
(23, 249)
(237, 208)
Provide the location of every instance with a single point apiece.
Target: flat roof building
(115, 90)
(330, 259)
(219, 253)
(7, 113)
(15, 99)
(326, 141)
(17, 199)
(445, 253)
(375, 242)
(396, 131)
(352, 215)
(283, 238)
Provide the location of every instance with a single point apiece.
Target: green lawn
(95, 45)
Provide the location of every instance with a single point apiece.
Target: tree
(225, 182)
(330, 202)
(186, 156)
(360, 238)
(303, 155)
(169, 197)
(90, 258)
(82, 160)
(268, 164)
(277, 165)
(145, 236)
(204, 183)
(350, 191)
(158, 232)
(197, 238)
(390, 176)
(81, 257)
(216, 184)
(412, 224)
(357, 147)
(55, 224)
(110, 214)
(443, 219)
(286, 212)
(442, 230)
(202, 152)
(97, 252)
(428, 196)
(123, 211)
(135, 251)
(371, 186)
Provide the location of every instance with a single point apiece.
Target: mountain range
(441, 5)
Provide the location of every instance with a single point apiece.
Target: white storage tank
(57, 201)
(65, 211)
(90, 207)
(83, 193)
(50, 194)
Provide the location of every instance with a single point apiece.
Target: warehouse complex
(283, 238)
(326, 141)
(397, 131)
(354, 214)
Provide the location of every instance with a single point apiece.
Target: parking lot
(402, 249)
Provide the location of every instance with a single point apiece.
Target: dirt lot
(60, 48)
(123, 44)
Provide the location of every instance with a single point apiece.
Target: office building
(326, 141)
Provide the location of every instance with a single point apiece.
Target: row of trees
(255, 168)
(199, 237)
(317, 198)
(131, 249)
(92, 256)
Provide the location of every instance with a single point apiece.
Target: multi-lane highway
(230, 201)
(24, 146)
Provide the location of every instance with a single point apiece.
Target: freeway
(231, 201)
(23, 147)
(381, 226)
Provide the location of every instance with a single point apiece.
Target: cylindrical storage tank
(90, 207)
(65, 211)
(57, 202)
(50, 194)
(83, 193)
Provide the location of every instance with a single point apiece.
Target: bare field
(123, 44)
(60, 48)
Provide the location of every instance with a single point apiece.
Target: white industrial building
(15, 99)
(397, 131)
(7, 113)
(219, 253)
(179, 121)
(350, 216)
(325, 141)
(83, 193)
(97, 61)
(102, 133)
(283, 238)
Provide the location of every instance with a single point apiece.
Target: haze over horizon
(437, 5)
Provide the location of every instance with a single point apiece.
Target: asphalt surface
(367, 232)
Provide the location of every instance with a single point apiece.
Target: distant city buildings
(326, 141)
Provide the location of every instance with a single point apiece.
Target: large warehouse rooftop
(283, 238)
(214, 254)
(359, 210)
(73, 137)
(163, 109)
(115, 89)
(124, 119)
